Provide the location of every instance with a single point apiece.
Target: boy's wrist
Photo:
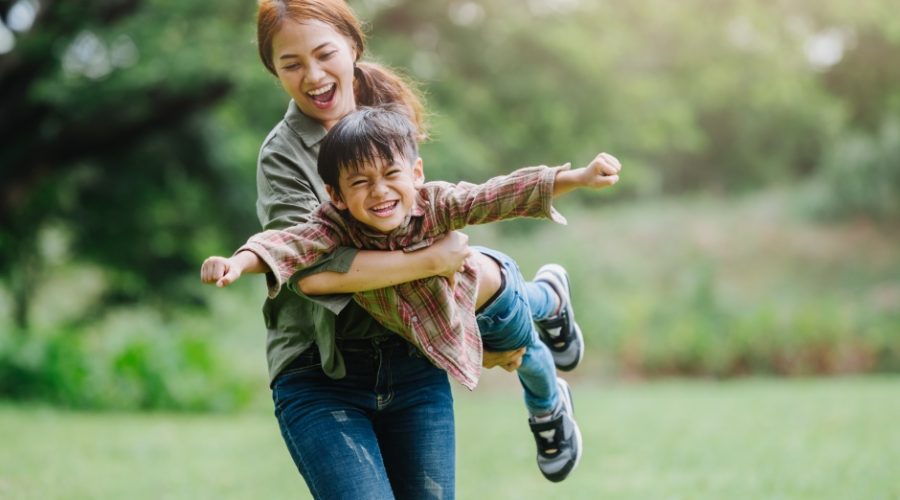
(244, 260)
(567, 180)
(578, 176)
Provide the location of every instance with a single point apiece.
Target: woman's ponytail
(376, 85)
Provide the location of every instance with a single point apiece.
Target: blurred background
(753, 242)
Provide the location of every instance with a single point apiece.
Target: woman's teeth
(322, 94)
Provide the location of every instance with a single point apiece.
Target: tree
(104, 104)
(694, 95)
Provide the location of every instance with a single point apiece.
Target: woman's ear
(336, 197)
(418, 173)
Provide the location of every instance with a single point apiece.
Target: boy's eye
(357, 183)
(393, 172)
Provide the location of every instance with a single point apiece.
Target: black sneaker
(558, 440)
(561, 333)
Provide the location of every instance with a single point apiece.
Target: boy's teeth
(383, 206)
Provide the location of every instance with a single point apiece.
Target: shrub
(861, 175)
(150, 365)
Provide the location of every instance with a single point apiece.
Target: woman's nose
(314, 73)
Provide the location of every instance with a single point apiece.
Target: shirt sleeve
(338, 261)
(286, 196)
(298, 247)
(527, 192)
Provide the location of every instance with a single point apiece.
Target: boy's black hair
(362, 138)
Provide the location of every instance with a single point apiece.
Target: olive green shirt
(288, 190)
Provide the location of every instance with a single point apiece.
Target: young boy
(370, 165)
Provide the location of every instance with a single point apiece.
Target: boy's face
(380, 196)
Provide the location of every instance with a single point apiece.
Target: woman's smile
(323, 97)
(314, 64)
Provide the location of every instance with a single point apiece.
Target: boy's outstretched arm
(602, 172)
(223, 271)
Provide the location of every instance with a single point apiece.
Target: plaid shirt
(438, 319)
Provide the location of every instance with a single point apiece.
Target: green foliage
(861, 175)
(722, 288)
(679, 338)
(731, 100)
(133, 362)
(694, 331)
(105, 105)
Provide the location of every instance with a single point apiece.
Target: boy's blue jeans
(384, 431)
(506, 324)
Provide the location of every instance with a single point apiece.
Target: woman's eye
(291, 67)
(328, 55)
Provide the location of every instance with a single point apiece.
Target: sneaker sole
(580, 339)
(564, 386)
(560, 271)
(577, 428)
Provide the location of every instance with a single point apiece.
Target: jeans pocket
(307, 365)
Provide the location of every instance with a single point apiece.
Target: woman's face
(314, 64)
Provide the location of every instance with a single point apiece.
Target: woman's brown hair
(373, 84)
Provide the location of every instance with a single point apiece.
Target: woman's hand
(449, 255)
(373, 269)
(508, 360)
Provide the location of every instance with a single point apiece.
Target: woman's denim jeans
(506, 324)
(383, 431)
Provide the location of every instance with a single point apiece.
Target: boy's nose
(379, 190)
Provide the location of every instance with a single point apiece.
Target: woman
(362, 413)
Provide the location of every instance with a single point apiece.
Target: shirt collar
(309, 130)
(418, 206)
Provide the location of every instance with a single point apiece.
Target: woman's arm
(372, 269)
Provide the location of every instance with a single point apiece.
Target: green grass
(755, 438)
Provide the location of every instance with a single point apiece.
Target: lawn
(755, 438)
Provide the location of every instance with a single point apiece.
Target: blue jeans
(506, 324)
(384, 431)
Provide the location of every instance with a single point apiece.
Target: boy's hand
(603, 171)
(508, 360)
(219, 271)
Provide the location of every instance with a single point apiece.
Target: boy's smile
(380, 196)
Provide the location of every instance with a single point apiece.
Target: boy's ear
(418, 173)
(336, 197)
